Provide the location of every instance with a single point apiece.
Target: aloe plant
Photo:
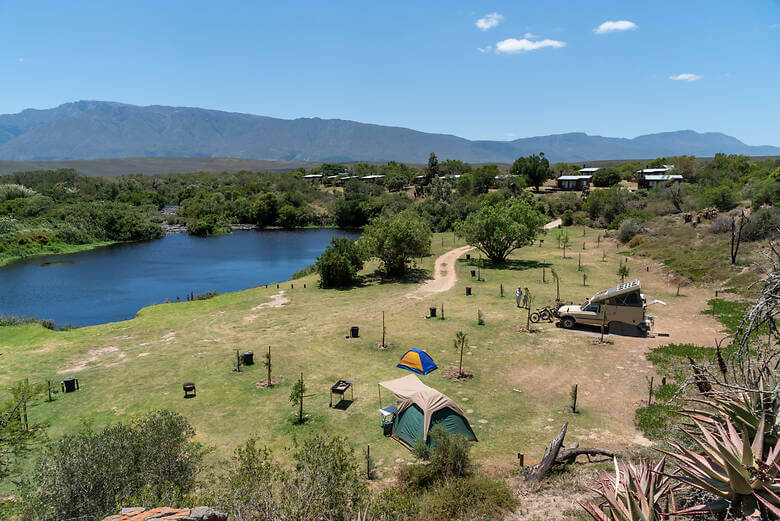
(731, 467)
(636, 493)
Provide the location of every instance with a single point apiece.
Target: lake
(113, 283)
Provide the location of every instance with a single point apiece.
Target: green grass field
(128, 368)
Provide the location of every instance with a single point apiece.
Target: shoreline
(66, 250)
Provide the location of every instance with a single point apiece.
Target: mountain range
(104, 129)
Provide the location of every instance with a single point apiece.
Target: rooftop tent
(420, 407)
(417, 361)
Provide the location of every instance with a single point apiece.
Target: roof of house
(372, 176)
(574, 177)
(312, 176)
(589, 169)
(661, 170)
(662, 177)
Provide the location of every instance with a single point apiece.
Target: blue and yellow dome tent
(417, 361)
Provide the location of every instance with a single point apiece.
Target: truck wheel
(567, 322)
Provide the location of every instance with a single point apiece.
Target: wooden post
(368, 455)
(383, 329)
(573, 395)
(442, 312)
(300, 404)
(268, 362)
(579, 262)
(521, 459)
(544, 275)
(238, 360)
(48, 387)
(379, 388)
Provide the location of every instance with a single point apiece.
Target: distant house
(371, 178)
(655, 177)
(588, 170)
(574, 182)
(658, 180)
(313, 177)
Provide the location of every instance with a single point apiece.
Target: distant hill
(100, 129)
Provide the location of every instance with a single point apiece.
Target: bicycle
(545, 313)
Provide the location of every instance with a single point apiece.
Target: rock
(168, 514)
(207, 514)
(128, 511)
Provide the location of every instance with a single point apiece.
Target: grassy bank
(20, 253)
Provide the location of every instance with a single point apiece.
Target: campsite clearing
(128, 368)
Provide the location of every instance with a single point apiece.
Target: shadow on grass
(516, 264)
(412, 276)
(343, 405)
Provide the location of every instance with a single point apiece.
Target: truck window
(629, 299)
(591, 307)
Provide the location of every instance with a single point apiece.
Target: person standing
(519, 297)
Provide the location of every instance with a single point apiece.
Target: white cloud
(529, 35)
(611, 27)
(687, 76)
(485, 49)
(489, 21)
(513, 45)
(20, 60)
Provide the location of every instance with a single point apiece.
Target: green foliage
(623, 272)
(567, 219)
(653, 420)
(499, 229)
(607, 176)
(604, 205)
(322, 482)
(762, 224)
(209, 225)
(474, 498)
(396, 240)
(266, 209)
(92, 473)
(728, 313)
(391, 504)
(534, 169)
(297, 393)
(17, 436)
(340, 263)
(449, 460)
(721, 197)
(628, 229)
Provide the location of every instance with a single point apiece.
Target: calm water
(110, 284)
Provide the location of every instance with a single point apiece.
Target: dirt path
(444, 274)
(553, 224)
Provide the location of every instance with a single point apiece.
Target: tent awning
(410, 390)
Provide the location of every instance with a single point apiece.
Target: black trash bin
(70, 385)
(468, 256)
(432, 312)
(248, 358)
(473, 273)
(353, 331)
(468, 291)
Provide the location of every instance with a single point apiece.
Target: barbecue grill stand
(340, 388)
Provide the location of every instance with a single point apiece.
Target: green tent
(420, 407)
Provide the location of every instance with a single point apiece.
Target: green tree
(340, 263)
(396, 240)
(535, 169)
(296, 397)
(433, 168)
(499, 229)
(266, 209)
(606, 176)
(623, 272)
(461, 339)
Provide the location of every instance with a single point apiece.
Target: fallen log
(554, 456)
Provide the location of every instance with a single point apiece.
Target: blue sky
(527, 68)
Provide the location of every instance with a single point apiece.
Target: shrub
(628, 229)
(208, 226)
(721, 197)
(567, 219)
(14, 191)
(604, 177)
(762, 224)
(581, 219)
(721, 224)
(393, 505)
(473, 498)
(396, 240)
(91, 473)
(289, 216)
(340, 263)
(637, 241)
(449, 459)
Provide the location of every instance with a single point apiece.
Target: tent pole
(379, 388)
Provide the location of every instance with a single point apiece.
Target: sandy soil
(444, 274)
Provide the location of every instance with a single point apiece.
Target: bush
(581, 219)
(208, 226)
(762, 224)
(637, 241)
(567, 219)
(91, 473)
(628, 229)
(393, 505)
(721, 197)
(14, 191)
(323, 482)
(473, 498)
(449, 459)
(720, 224)
(604, 177)
(340, 263)
(396, 240)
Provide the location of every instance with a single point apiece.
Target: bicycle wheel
(534, 317)
(545, 315)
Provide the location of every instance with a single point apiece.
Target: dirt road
(444, 274)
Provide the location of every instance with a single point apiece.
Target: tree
(459, 344)
(498, 229)
(340, 263)
(563, 240)
(396, 240)
(622, 272)
(433, 168)
(296, 397)
(266, 209)
(607, 176)
(16, 435)
(736, 235)
(557, 284)
(535, 169)
(267, 364)
(529, 301)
